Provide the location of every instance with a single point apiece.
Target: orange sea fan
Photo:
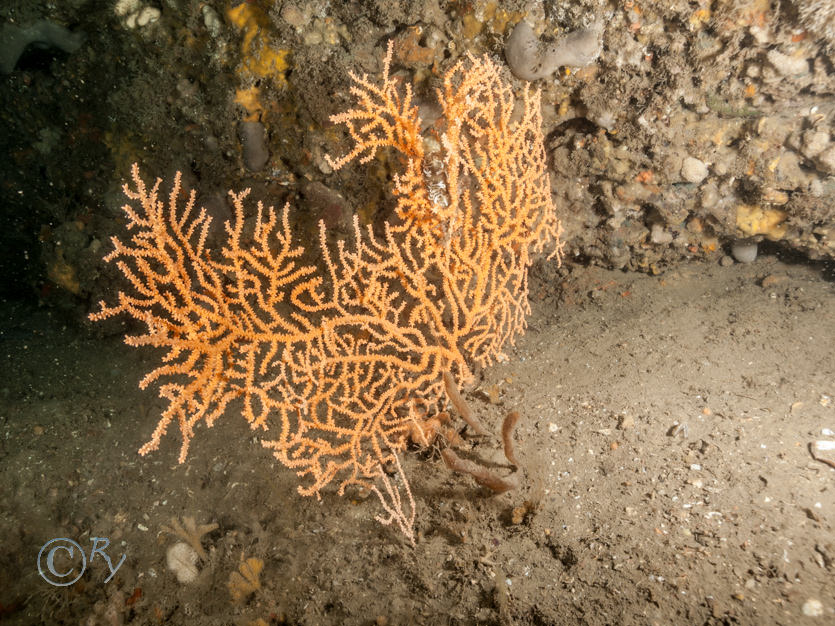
(335, 360)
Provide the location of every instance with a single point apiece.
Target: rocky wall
(675, 130)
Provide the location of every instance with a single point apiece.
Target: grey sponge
(14, 39)
(530, 59)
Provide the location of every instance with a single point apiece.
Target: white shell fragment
(812, 608)
(823, 451)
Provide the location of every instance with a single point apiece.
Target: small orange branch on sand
(334, 360)
(508, 426)
(460, 405)
(481, 474)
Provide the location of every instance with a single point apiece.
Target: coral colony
(343, 365)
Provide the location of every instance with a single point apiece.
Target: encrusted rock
(328, 205)
(813, 143)
(826, 161)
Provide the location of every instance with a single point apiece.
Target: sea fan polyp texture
(338, 363)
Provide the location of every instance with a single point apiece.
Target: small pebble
(145, 16)
(744, 252)
(293, 16)
(254, 149)
(813, 608)
(659, 235)
(826, 161)
(313, 38)
(212, 21)
(787, 65)
(693, 170)
(814, 142)
(626, 422)
(772, 280)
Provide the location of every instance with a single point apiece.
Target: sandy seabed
(665, 435)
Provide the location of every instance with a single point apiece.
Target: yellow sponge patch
(755, 220)
(258, 58)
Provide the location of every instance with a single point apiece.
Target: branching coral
(341, 363)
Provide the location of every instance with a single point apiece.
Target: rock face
(674, 162)
(673, 129)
